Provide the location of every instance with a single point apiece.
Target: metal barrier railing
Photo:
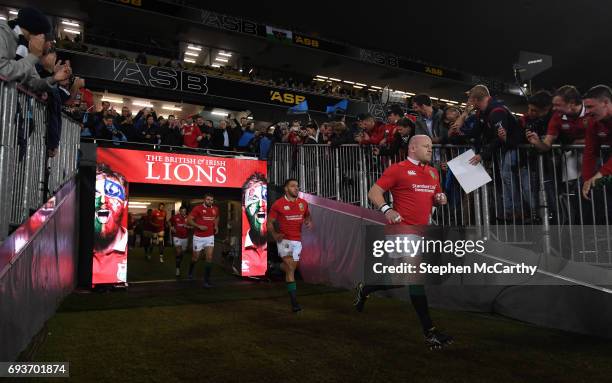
(27, 175)
(527, 188)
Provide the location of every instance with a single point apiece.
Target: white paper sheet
(470, 177)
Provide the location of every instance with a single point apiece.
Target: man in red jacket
(191, 135)
(598, 104)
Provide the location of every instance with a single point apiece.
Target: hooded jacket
(24, 70)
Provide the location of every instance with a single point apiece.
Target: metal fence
(527, 188)
(27, 176)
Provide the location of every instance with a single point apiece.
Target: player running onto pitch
(289, 212)
(415, 187)
(179, 229)
(205, 221)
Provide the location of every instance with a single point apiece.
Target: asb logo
(302, 40)
(156, 77)
(286, 207)
(286, 98)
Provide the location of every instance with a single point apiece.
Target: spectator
(326, 133)
(265, 143)
(236, 131)
(394, 114)
(192, 135)
(126, 124)
(403, 132)
(281, 133)
(96, 118)
(206, 128)
(108, 131)
(498, 128)
(429, 121)
(22, 44)
(568, 123)
(247, 136)
(498, 135)
(598, 103)
(452, 115)
(221, 137)
(312, 133)
(149, 129)
(535, 122)
(370, 131)
(171, 133)
(341, 135)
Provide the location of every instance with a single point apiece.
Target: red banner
(180, 169)
(118, 167)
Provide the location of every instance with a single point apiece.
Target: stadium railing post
(302, 169)
(8, 137)
(363, 193)
(337, 166)
(317, 170)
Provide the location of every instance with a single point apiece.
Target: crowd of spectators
(193, 132)
(508, 144)
(564, 116)
(263, 76)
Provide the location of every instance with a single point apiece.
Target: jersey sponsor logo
(424, 188)
(565, 126)
(286, 207)
(411, 173)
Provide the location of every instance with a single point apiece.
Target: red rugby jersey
(290, 216)
(158, 219)
(180, 226)
(205, 216)
(597, 135)
(413, 188)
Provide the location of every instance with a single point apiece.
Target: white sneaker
(161, 259)
(178, 272)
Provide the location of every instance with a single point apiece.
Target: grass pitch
(243, 331)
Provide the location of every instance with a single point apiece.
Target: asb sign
(159, 77)
(116, 168)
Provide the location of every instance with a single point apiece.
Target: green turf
(244, 332)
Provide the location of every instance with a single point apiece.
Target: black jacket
(171, 136)
(343, 138)
(497, 115)
(399, 143)
(218, 139)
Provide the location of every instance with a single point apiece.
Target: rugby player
(178, 228)
(158, 223)
(205, 221)
(289, 212)
(415, 187)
